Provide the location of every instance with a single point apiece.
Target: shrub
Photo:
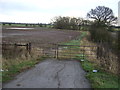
(99, 33)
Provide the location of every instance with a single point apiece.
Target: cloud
(75, 13)
(27, 17)
(44, 10)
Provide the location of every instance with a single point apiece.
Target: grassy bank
(19, 67)
(100, 79)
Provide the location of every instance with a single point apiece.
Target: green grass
(75, 50)
(100, 79)
(77, 41)
(17, 68)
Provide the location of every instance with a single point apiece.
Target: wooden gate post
(15, 45)
(98, 49)
(56, 51)
(83, 52)
(70, 53)
(28, 47)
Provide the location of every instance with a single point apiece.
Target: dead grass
(13, 56)
(17, 60)
(108, 64)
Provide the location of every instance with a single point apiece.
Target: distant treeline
(26, 24)
(74, 25)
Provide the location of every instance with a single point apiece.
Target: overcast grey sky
(42, 11)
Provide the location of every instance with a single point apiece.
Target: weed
(100, 79)
(19, 67)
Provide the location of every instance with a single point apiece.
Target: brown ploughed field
(36, 35)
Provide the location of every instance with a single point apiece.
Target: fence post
(83, 52)
(15, 45)
(56, 51)
(43, 52)
(98, 49)
(29, 47)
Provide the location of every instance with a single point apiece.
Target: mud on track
(38, 35)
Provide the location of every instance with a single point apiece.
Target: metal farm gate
(60, 51)
(75, 51)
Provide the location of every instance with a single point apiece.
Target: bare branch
(102, 14)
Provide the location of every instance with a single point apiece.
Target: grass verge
(100, 79)
(17, 68)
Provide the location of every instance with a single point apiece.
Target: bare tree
(67, 22)
(61, 22)
(102, 14)
(71, 23)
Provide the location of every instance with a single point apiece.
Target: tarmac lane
(51, 73)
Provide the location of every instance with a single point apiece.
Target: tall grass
(16, 60)
(100, 79)
(17, 67)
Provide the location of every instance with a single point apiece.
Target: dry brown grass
(13, 56)
(108, 64)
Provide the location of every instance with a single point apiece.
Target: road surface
(51, 74)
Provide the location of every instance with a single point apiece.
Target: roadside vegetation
(16, 68)
(17, 60)
(99, 79)
(100, 34)
(102, 78)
